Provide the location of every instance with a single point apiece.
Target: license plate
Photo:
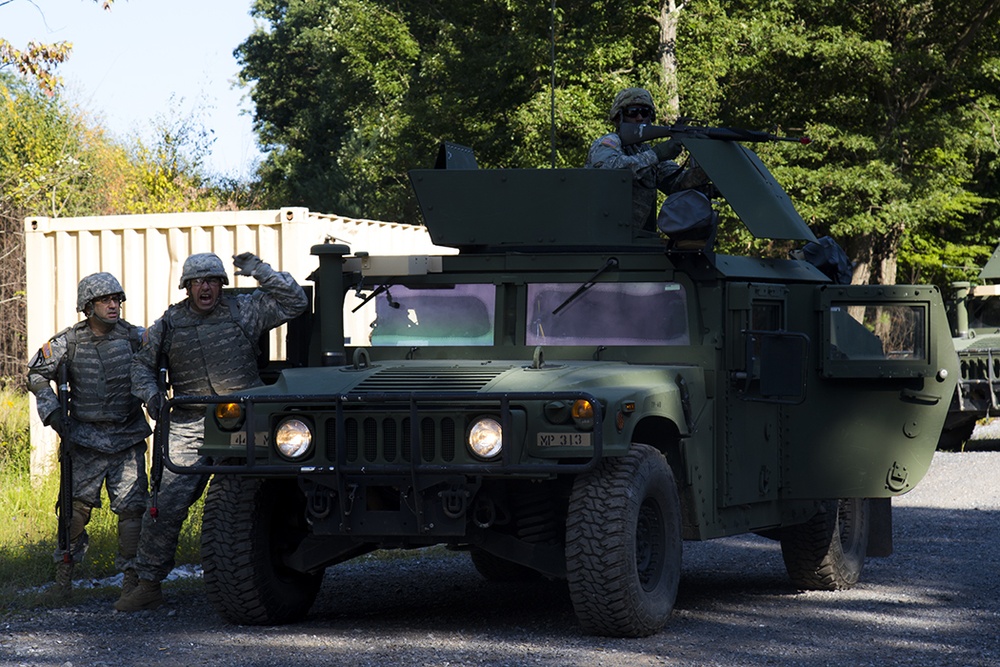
(564, 439)
(239, 439)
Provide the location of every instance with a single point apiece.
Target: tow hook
(454, 502)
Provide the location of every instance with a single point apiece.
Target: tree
(349, 94)
(899, 98)
(36, 60)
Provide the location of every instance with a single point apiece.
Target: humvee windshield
(451, 315)
(607, 314)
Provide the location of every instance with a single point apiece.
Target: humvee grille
(386, 439)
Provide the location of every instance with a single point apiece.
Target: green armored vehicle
(975, 319)
(571, 397)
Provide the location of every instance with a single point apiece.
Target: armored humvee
(974, 311)
(568, 396)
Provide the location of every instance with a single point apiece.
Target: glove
(153, 407)
(56, 422)
(668, 150)
(246, 263)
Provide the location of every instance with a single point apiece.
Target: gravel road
(933, 603)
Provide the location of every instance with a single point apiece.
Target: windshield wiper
(612, 263)
(384, 287)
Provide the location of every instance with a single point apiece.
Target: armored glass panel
(451, 315)
(876, 332)
(653, 313)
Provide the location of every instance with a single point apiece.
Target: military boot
(130, 581)
(63, 587)
(147, 595)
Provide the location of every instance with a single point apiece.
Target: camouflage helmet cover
(203, 265)
(94, 286)
(630, 97)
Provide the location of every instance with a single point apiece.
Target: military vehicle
(974, 311)
(570, 397)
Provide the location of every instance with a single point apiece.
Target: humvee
(571, 397)
(974, 312)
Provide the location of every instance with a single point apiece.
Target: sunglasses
(637, 112)
(107, 300)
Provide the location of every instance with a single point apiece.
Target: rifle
(635, 133)
(65, 503)
(156, 468)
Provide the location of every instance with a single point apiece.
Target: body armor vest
(210, 354)
(100, 381)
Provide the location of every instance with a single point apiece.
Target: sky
(150, 59)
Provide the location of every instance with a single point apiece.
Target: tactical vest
(100, 372)
(209, 354)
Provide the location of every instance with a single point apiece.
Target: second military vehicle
(571, 397)
(975, 320)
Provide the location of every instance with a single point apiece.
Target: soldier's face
(107, 308)
(204, 294)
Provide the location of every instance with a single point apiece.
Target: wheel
(623, 545)
(827, 553)
(247, 525)
(494, 568)
(954, 439)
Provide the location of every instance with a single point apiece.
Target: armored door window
(452, 315)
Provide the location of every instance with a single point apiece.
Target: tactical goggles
(637, 112)
(108, 298)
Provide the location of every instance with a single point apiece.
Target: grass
(28, 521)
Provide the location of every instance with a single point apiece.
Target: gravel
(932, 603)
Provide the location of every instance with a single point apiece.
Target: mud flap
(879, 527)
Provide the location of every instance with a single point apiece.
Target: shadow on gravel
(934, 602)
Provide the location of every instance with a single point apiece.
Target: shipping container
(147, 252)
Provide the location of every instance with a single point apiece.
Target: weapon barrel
(65, 468)
(634, 133)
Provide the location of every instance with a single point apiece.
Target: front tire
(623, 545)
(248, 525)
(827, 553)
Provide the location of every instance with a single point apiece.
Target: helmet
(203, 265)
(96, 285)
(630, 97)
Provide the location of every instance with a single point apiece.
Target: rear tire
(827, 553)
(623, 545)
(247, 527)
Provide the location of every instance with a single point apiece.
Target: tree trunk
(669, 16)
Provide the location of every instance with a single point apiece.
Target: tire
(623, 545)
(954, 439)
(827, 553)
(246, 527)
(494, 568)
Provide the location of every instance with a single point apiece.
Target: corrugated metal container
(146, 253)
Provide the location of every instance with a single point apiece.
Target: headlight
(485, 438)
(229, 416)
(293, 438)
(583, 414)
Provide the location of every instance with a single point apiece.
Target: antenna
(552, 82)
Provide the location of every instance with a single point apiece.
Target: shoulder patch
(611, 141)
(46, 350)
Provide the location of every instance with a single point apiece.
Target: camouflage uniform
(106, 430)
(649, 174)
(206, 354)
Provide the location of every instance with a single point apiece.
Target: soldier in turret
(104, 431)
(208, 344)
(652, 167)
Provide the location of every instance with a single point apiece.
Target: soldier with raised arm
(208, 344)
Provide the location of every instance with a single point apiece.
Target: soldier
(105, 431)
(652, 167)
(208, 343)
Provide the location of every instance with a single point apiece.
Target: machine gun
(635, 133)
(65, 502)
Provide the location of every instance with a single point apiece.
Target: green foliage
(899, 98)
(28, 532)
